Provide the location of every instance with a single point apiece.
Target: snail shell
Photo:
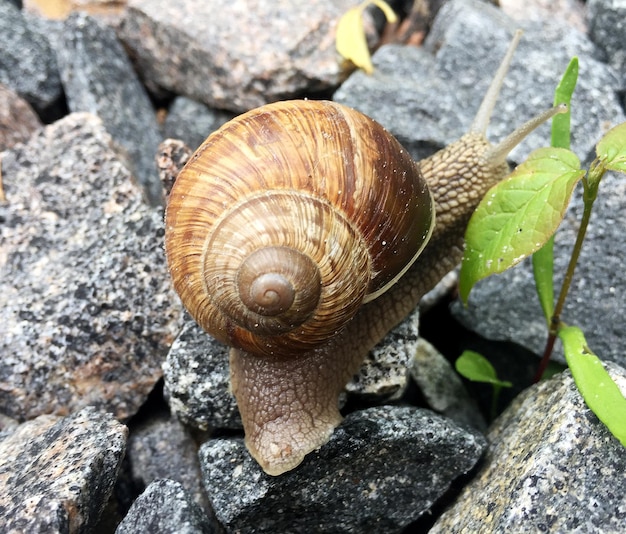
(287, 219)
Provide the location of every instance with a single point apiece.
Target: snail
(297, 234)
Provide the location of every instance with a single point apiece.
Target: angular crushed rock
(27, 62)
(551, 466)
(56, 474)
(18, 121)
(236, 55)
(383, 466)
(99, 78)
(86, 306)
(164, 507)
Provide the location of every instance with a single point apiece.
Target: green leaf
(477, 368)
(543, 272)
(612, 149)
(518, 215)
(563, 95)
(594, 383)
(350, 39)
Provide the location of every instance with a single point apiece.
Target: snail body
(295, 235)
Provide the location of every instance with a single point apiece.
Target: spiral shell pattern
(287, 219)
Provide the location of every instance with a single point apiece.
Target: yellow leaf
(351, 42)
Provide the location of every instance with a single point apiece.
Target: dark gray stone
(552, 466)
(383, 466)
(236, 55)
(86, 305)
(166, 508)
(197, 378)
(192, 121)
(428, 96)
(98, 78)
(162, 447)
(197, 381)
(607, 28)
(56, 474)
(27, 63)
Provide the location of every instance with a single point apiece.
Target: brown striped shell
(287, 219)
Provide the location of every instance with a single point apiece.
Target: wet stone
(56, 474)
(383, 466)
(551, 466)
(86, 305)
(165, 507)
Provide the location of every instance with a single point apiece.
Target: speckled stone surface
(551, 467)
(99, 78)
(236, 55)
(165, 507)
(56, 474)
(162, 447)
(382, 468)
(27, 63)
(86, 306)
(197, 378)
(17, 119)
(384, 374)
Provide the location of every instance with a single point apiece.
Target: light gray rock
(551, 466)
(162, 447)
(27, 63)
(98, 78)
(442, 387)
(236, 55)
(427, 97)
(166, 508)
(86, 306)
(383, 466)
(56, 474)
(192, 122)
(607, 27)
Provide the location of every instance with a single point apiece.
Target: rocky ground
(115, 408)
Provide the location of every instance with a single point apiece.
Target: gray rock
(551, 467)
(86, 305)
(383, 466)
(162, 447)
(595, 300)
(18, 121)
(192, 121)
(442, 387)
(27, 63)
(98, 78)
(165, 508)
(384, 374)
(197, 381)
(56, 474)
(607, 27)
(235, 55)
(428, 97)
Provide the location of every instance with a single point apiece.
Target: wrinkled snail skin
(288, 379)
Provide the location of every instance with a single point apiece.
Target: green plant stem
(590, 185)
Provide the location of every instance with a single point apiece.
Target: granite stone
(86, 304)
